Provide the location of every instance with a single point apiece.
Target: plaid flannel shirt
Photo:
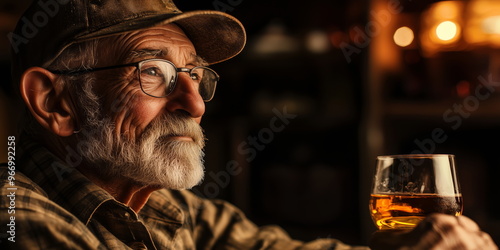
(54, 206)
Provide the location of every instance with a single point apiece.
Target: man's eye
(195, 76)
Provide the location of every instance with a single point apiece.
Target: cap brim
(215, 35)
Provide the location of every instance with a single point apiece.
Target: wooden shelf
(489, 108)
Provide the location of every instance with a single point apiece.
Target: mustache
(173, 124)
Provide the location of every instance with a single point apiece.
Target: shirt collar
(69, 188)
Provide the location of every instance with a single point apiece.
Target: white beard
(155, 159)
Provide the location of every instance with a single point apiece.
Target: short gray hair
(79, 56)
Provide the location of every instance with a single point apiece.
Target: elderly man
(115, 91)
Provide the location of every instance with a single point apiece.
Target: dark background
(312, 175)
(305, 177)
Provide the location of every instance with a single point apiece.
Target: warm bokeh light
(463, 89)
(483, 23)
(447, 30)
(441, 27)
(491, 25)
(403, 36)
(447, 10)
(317, 41)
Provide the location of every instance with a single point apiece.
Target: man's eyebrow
(142, 53)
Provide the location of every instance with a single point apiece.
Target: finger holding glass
(437, 231)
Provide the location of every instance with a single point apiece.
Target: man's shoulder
(181, 199)
(191, 203)
(185, 198)
(11, 179)
(31, 214)
(21, 195)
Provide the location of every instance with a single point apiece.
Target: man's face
(165, 42)
(154, 141)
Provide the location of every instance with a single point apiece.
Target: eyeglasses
(158, 77)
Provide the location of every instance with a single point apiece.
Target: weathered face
(156, 141)
(165, 42)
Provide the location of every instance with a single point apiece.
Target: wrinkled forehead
(164, 41)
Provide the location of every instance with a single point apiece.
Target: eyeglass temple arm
(83, 71)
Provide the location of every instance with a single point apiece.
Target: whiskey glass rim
(415, 156)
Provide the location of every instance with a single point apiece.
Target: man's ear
(47, 101)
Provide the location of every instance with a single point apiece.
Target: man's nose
(186, 97)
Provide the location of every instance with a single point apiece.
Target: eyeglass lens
(158, 78)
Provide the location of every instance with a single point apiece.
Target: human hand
(438, 231)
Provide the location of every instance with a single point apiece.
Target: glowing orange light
(463, 89)
(441, 28)
(403, 36)
(447, 30)
(491, 25)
